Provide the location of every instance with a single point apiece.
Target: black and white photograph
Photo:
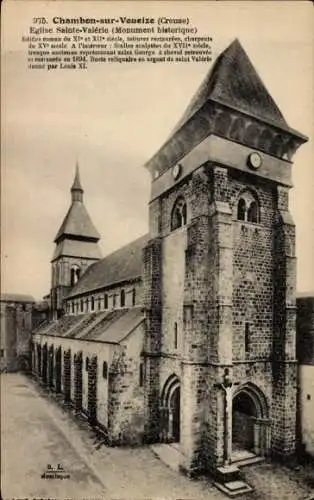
(157, 250)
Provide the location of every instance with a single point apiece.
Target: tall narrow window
(175, 340)
(105, 370)
(133, 297)
(247, 338)
(74, 275)
(92, 305)
(252, 214)
(114, 300)
(99, 303)
(72, 307)
(82, 305)
(184, 215)
(241, 209)
(141, 375)
(106, 301)
(122, 298)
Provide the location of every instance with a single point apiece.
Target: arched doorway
(170, 411)
(250, 422)
(243, 409)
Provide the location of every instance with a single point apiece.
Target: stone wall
(126, 392)
(99, 380)
(237, 309)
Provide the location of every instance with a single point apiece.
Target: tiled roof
(116, 325)
(122, 265)
(16, 297)
(233, 81)
(107, 326)
(77, 223)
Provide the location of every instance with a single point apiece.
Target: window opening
(122, 298)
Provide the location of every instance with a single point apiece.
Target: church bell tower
(76, 248)
(220, 274)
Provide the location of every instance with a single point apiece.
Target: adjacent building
(305, 356)
(16, 328)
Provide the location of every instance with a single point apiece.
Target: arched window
(253, 212)
(105, 370)
(122, 298)
(179, 214)
(133, 297)
(106, 301)
(241, 209)
(248, 209)
(75, 275)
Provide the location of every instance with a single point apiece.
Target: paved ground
(37, 432)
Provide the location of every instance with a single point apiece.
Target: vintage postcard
(157, 293)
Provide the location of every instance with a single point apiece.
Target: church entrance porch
(170, 411)
(250, 424)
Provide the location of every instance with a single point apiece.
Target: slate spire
(76, 189)
(234, 82)
(77, 223)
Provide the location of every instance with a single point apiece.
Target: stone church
(187, 335)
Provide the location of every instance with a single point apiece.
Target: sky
(113, 118)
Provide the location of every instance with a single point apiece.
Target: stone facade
(226, 285)
(209, 361)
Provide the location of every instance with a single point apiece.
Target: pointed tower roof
(76, 186)
(233, 81)
(234, 85)
(77, 223)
